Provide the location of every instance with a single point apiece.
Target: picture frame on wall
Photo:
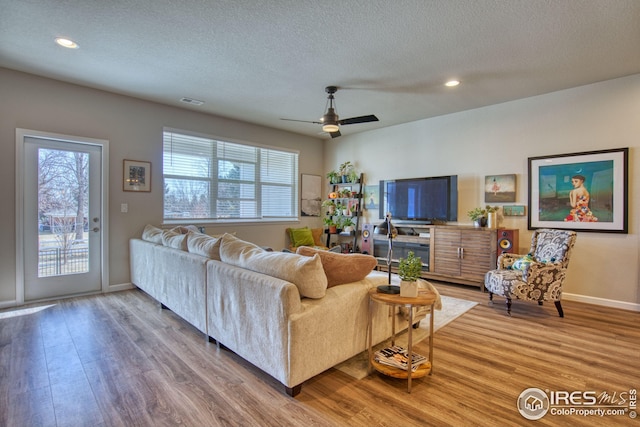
(500, 188)
(310, 196)
(585, 191)
(371, 197)
(136, 176)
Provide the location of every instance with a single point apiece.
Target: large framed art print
(580, 191)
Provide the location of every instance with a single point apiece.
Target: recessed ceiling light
(452, 83)
(70, 44)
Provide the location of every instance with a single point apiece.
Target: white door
(61, 217)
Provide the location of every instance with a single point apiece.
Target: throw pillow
(174, 240)
(184, 229)
(204, 245)
(341, 268)
(304, 272)
(301, 237)
(523, 263)
(152, 234)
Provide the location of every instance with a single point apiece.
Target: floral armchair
(537, 276)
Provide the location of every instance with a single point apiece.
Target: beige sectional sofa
(276, 310)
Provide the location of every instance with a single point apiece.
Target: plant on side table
(409, 270)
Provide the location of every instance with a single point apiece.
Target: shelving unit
(353, 204)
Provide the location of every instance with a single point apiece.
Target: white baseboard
(602, 301)
(120, 287)
(7, 304)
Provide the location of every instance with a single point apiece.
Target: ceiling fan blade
(303, 121)
(361, 119)
(335, 134)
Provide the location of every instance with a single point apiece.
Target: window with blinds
(208, 179)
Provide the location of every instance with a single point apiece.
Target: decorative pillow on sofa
(174, 240)
(202, 244)
(185, 229)
(341, 268)
(304, 272)
(152, 234)
(301, 237)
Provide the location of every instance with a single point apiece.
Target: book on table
(398, 357)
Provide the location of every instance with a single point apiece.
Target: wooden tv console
(457, 254)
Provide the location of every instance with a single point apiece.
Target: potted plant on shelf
(333, 177)
(347, 224)
(477, 215)
(330, 204)
(344, 170)
(331, 224)
(409, 270)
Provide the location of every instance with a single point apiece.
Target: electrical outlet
(124, 207)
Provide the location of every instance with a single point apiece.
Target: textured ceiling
(259, 61)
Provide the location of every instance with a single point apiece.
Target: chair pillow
(523, 263)
(317, 236)
(304, 272)
(341, 268)
(152, 234)
(301, 237)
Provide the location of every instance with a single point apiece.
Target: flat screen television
(425, 200)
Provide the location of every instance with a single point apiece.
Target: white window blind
(208, 179)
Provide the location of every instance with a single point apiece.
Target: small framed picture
(136, 176)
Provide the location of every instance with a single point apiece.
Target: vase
(408, 289)
(492, 220)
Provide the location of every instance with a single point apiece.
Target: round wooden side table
(425, 298)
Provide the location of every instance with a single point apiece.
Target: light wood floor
(120, 360)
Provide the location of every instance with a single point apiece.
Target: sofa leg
(164, 307)
(293, 391)
(509, 306)
(559, 307)
(212, 339)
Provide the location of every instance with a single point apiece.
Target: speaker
(367, 239)
(507, 241)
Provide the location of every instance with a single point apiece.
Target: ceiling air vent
(191, 101)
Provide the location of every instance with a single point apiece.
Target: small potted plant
(478, 216)
(330, 204)
(492, 216)
(333, 177)
(409, 270)
(344, 170)
(331, 224)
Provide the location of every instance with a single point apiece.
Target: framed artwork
(580, 191)
(136, 176)
(310, 196)
(500, 188)
(371, 196)
(513, 210)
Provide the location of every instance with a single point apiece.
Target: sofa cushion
(152, 234)
(301, 237)
(341, 268)
(304, 272)
(174, 240)
(202, 244)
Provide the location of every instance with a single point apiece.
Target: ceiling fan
(330, 121)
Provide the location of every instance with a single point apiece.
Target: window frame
(213, 181)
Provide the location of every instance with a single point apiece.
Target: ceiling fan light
(330, 127)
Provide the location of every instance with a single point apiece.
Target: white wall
(133, 128)
(498, 140)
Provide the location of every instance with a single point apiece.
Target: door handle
(95, 229)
